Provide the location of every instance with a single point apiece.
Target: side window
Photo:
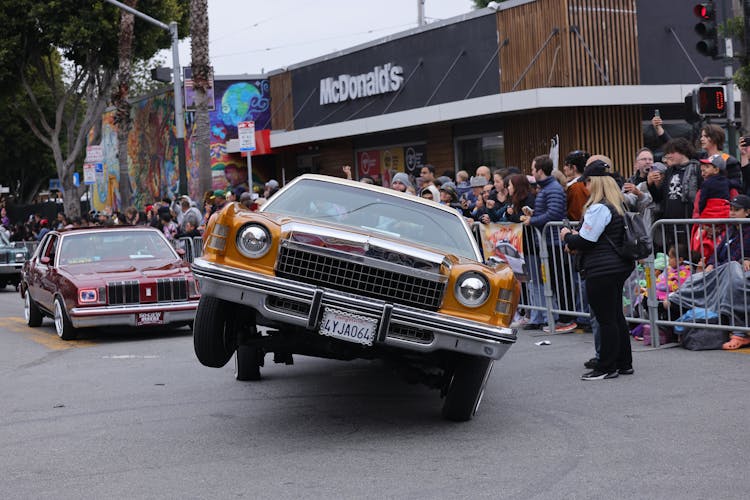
(51, 249)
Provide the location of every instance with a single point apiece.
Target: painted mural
(236, 101)
(152, 145)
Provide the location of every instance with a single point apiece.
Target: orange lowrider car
(346, 270)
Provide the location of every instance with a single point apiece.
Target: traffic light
(709, 100)
(707, 29)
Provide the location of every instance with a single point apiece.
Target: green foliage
(481, 4)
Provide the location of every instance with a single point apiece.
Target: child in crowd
(674, 274)
(713, 199)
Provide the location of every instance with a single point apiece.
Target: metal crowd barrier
(193, 247)
(555, 288)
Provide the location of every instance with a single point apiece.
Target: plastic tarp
(723, 290)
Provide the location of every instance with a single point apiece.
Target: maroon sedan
(119, 276)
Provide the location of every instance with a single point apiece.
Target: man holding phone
(745, 163)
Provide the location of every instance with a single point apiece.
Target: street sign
(246, 132)
(89, 173)
(94, 154)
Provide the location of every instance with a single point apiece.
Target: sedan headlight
(253, 241)
(472, 289)
(20, 257)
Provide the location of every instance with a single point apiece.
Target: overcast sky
(253, 36)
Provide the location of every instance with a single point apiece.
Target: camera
(566, 224)
(745, 141)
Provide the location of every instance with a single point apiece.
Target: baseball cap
(220, 193)
(740, 201)
(716, 160)
(597, 168)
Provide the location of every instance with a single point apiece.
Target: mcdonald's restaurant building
(492, 87)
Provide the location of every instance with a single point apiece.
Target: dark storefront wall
(661, 58)
(437, 49)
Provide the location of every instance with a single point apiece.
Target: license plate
(349, 327)
(149, 318)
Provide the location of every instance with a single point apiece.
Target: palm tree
(120, 100)
(201, 81)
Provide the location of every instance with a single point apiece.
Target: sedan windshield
(375, 212)
(114, 246)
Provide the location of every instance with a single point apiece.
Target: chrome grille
(171, 289)
(288, 306)
(334, 272)
(128, 292)
(4, 257)
(411, 334)
(123, 292)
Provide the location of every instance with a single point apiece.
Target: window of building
(473, 151)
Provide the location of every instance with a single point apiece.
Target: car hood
(118, 271)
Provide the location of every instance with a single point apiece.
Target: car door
(46, 286)
(34, 270)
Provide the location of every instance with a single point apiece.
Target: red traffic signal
(705, 10)
(706, 28)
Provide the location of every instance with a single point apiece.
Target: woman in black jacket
(605, 271)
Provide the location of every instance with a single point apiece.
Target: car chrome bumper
(174, 312)
(445, 332)
(11, 269)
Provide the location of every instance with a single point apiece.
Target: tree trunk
(201, 81)
(120, 100)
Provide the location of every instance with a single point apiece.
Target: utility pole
(179, 115)
(729, 75)
(420, 12)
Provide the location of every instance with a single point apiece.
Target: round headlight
(20, 257)
(253, 241)
(472, 289)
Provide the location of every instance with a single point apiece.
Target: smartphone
(566, 224)
(745, 141)
(527, 210)
(657, 114)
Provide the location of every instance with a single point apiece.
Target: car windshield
(375, 212)
(113, 246)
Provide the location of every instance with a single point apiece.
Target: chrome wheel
(59, 321)
(26, 308)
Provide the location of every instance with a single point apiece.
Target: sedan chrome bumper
(301, 304)
(12, 269)
(173, 312)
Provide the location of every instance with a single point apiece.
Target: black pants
(605, 300)
(562, 281)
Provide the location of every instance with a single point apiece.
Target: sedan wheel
(466, 387)
(31, 312)
(214, 339)
(62, 324)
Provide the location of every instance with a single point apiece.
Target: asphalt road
(132, 414)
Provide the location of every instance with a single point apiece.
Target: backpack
(636, 242)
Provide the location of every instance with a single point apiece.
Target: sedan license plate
(149, 318)
(349, 327)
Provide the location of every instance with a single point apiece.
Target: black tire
(214, 338)
(466, 387)
(31, 311)
(63, 327)
(247, 363)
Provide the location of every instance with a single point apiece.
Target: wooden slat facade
(282, 102)
(591, 129)
(607, 27)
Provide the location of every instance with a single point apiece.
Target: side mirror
(45, 260)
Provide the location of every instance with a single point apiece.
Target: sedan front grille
(123, 292)
(129, 292)
(363, 279)
(171, 289)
